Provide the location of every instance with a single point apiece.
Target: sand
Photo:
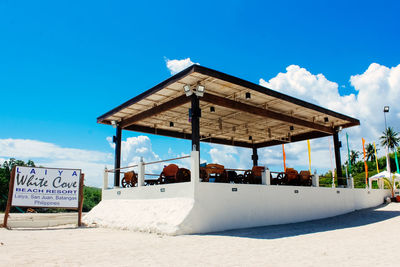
(362, 238)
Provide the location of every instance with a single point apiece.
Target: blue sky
(64, 63)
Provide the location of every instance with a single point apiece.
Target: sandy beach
(362, 238)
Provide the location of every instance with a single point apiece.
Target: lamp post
(386, 110)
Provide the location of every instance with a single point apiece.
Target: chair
(130, 179)
(183, 175)
(292, 176)
(280, 179)
(253, 176)
(216, 171)
(233, 177)
(305, 178)
(289, 177)
(168, 175)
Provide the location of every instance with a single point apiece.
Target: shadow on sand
(354, 219)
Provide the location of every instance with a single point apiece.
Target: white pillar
(141, 173)
(351, 182)
(265, 177)
(315, 179)
(105, 179)
(195, 167)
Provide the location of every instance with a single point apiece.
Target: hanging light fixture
(188, 91)
(114, 124)
(200, 90)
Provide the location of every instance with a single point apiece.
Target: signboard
(45, 188)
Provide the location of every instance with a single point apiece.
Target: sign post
(45, 188)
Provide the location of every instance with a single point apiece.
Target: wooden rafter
(221, 101)
(180, 100)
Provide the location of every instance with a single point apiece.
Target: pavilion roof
(266, 118)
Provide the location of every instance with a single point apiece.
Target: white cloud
(134, 148)
(376, 87)
(177, 65)
(230, 157)
(46, 154)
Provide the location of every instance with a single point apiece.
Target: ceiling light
(114, 124)
(200, 90)
(188, 91)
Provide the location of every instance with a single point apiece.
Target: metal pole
(195, 123)
(117, 163)
(387, 147)
(254, 157)
(336, 145)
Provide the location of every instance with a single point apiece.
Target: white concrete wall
(216, 207)
(219, 208)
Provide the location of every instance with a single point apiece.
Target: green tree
(370, 152)
(354, 156)
(390, 138)
(5, 173)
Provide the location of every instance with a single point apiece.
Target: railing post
(315, 179)
(194, 166)
(141, 173)
(266, 177)
(105, 179)
(350, 182)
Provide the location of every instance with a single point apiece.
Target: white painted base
(217, 207)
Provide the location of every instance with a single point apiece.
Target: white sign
(46, 187)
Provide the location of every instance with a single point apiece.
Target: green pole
(348, 152)
(397, 161)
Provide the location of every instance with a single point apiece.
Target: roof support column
(254, 157)
(195, 122)
(337, 145)
(117, 162)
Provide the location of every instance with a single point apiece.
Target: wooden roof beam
(221, 101)
(188, 136)
(293, 138)
(180, 100)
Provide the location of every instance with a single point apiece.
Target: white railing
(140, 170)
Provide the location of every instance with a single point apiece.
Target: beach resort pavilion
(205, 105)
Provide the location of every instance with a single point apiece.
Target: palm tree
(354, 156)
(390, 138)
(370, 152)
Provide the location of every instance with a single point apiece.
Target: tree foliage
(390, 138)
